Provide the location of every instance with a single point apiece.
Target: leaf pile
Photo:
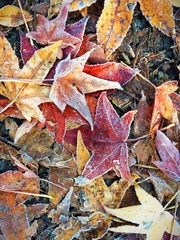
(89, 145)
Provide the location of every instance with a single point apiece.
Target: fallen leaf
(36, 143)
(165, 187)
(97, 56)
(36, 210)
(97, 224)
(114, 23)
(79, 4)
(159, 14)
(27, 96)
(151, 217)
(51, 31)
(163, 105)
(11, 16)
(17, 181)
(112, 71)
(108, 142)
(54, 121)
(71, 83)
(61, 213)
(170, 156)
(14, 223)
(27, 50)
(77, 30)
(12, 111)
(82, 153)
(62, 177)
(143, 118)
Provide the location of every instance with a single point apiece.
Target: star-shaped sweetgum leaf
(50, 31)
(71, 83)
(20, 85)
(107, 141)
(110, 150)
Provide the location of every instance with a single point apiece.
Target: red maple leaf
(170, 156)
(108, 141)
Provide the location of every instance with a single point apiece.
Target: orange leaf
(159, 14)
(114, 23)
(163, 105)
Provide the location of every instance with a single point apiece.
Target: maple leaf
(108, 142)
(50, 31)
(163, 105)
(151, 217)
(71, 83)
(11, 16)
(26, 95)
(170, 156)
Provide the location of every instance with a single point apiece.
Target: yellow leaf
(159, 14)
(27, 96)
(175, 3)
(82, 153)
(114, 23)
(11, 16)
(150, 216)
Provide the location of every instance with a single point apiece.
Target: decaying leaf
(170, 156)
(11, 16)
(61, 213)
(14, 223)
(151, 217)
(114, 23)
(159, 14)
(97, 224)
(27, 96)
(108, 142)
(71, 83)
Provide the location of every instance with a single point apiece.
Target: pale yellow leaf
(150, 216)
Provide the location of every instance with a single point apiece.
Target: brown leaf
(14, 222)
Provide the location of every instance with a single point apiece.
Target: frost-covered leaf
(159, 14)
(114, 23)
(108, 142)
(170, 156)
(151, 217)
(26, 95)
(163, 105)
(71, 83)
